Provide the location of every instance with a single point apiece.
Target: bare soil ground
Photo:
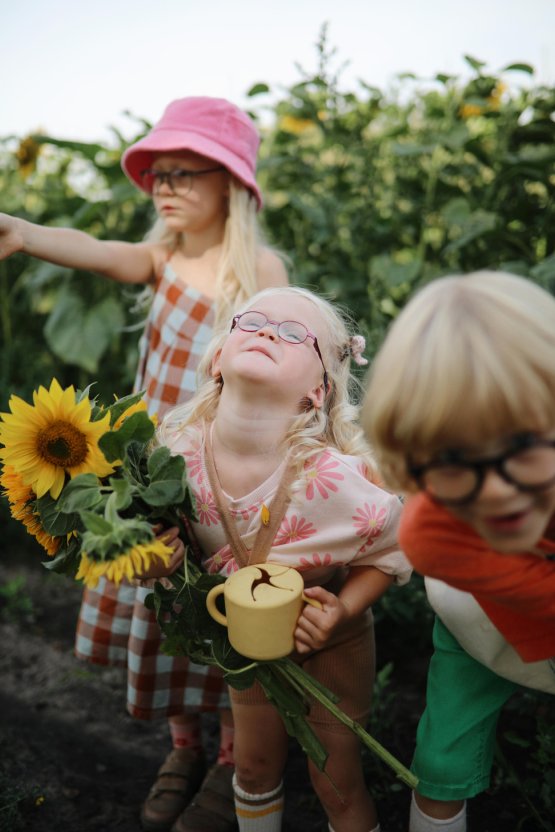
(73, 760)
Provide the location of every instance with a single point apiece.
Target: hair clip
(354, 347)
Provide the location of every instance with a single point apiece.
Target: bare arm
(124, 262)
(364, 585)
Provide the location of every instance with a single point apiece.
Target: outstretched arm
(363, 587)
(124, 262)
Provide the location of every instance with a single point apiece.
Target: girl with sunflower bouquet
(281, 474)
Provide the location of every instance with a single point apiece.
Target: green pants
(455, 740)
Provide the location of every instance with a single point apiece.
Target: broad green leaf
(95, 523)
(519, 68)
(258, 89)
(121, 405)
(162, 465)
(81, 335)
(137, 428)
(122, 493)
(82, 492)
(162, 493)
(53, 521)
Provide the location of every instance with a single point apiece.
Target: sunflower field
(369, 194)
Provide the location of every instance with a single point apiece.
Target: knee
(335, 799)
(256, 775)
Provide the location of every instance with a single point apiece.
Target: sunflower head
(22, 507)
(53, 438)
(127, 564)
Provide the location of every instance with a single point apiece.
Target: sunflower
(21, 498)
(138, 407)
(51, 438)
(128, 564)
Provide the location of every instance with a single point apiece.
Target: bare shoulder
(270, 269)
(154, 256)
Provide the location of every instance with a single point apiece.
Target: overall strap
(161, 266)
(267, 532)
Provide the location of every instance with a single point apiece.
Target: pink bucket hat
(212, 127)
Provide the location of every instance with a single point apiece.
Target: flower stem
(298, 676)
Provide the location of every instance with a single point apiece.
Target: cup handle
(312, 601)
(214, 593)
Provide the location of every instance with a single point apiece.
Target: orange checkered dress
(114, 626)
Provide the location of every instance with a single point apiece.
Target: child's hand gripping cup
(263, 604)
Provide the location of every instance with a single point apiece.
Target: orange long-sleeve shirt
(516, 591)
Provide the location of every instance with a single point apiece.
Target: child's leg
(455, 739)
(212, 808)
(341, 788)
(178, 778)
(428, 815)
(260, 757)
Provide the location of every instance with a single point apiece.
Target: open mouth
(506, 522)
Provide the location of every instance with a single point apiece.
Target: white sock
(258, 812)
(420, 822)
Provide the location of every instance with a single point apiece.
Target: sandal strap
(213, 807)
(191, 770)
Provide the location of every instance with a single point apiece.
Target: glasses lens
(293, 332)
(532, 467)
(180, 181)
(449, 482)
(252, 321)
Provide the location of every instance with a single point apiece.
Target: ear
(215, 369)
(317, 396)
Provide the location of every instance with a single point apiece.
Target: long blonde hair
(333, 425)
(236, 275)
(469, 359)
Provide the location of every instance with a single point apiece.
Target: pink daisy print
(316, 560)
(245, 513)
(206, 507)
(193, 461)
(369, 521)
(295, 528)
(221, 562)
(320, 476)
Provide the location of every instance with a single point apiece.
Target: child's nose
(268, 330)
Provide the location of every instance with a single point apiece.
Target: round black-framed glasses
(528, 464)
(180, 181)
(292, 332)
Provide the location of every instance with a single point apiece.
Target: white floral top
(337, 518)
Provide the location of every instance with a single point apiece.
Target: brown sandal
(213, 808)
(176, 784)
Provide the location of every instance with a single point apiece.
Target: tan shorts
(346, 667)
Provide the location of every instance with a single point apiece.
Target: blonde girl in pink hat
(202, 257)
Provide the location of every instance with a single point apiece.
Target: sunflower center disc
(62, 444)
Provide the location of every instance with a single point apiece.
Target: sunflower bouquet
(88, 482)
(83, 480)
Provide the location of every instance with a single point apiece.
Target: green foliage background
(370, 193)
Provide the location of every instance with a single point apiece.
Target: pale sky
(71, 68)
